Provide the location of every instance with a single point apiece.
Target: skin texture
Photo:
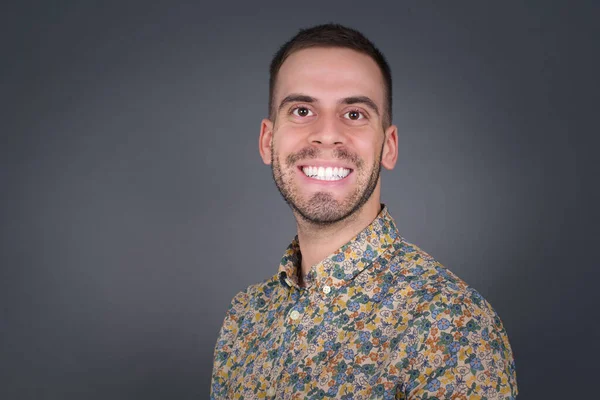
(329, 112)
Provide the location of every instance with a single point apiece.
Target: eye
(302, 112)
(354, 115)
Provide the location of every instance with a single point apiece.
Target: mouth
(321, 173)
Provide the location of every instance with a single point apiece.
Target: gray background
(135, 204)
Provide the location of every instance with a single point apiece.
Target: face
(326, 143)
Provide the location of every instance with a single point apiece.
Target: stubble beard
(322, 208)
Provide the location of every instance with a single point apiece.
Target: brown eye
(302, 112)
(354, 115)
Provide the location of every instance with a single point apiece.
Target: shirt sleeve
(232, 324)
(462, 352)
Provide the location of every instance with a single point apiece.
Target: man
(354, 311)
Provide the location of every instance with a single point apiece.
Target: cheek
(287, 142)
(367, 149)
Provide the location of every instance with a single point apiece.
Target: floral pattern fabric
(377, 319)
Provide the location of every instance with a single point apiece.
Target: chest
(308, 344)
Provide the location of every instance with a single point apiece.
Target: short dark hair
(332, 35)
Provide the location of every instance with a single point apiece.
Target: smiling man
(354, 310)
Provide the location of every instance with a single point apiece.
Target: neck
(318, 241)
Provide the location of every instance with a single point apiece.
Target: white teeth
(326, 173)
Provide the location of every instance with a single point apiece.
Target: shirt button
(326, 289)
(294, 315)
(271, 392)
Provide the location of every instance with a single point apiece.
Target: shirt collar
(346, 262)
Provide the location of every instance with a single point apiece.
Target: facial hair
(322, 208)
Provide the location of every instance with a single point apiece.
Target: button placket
(292, 314)
(301, 302)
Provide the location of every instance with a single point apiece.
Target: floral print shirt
(378, 319)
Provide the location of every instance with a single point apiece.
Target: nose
(328, 131)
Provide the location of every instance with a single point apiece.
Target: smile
(326, 173)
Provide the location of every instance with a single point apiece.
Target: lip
(325, 164)
(338, 182)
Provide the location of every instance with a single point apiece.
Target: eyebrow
(294, 97)
(362, 100)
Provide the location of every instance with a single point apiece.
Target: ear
(265, 141)
(390, 147)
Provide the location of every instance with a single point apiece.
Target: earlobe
(265, 140)
(390, 148)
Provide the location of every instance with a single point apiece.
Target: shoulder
(429, 281)
(253, 294)
(458, 330)
(243, 305)
(437, 292)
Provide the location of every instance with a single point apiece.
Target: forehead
(330, 74)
